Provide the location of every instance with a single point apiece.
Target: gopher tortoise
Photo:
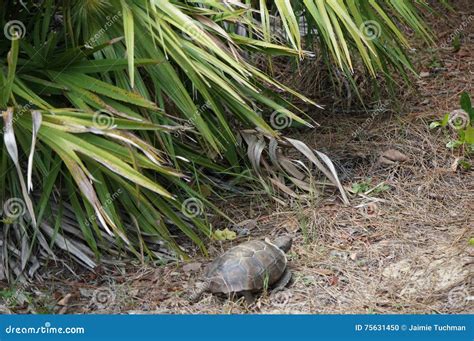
(248, 268)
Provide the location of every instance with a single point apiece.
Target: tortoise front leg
(283, 281)
(200, 290)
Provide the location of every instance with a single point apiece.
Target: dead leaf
(70, 245)
(328, 169)
(395, 155)
(63, 311)
(37, 119)
(65, 300)
(385, 161)
(391, 156)
(291, 225)
(333, 280)
(372, 209)
(455, 164)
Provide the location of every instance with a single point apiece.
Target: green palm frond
(370, 28)
(348, 33)
(116, 113)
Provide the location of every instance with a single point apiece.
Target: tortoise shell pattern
(246, 267)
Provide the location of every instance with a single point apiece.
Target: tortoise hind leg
(283, 281)
(249, 297)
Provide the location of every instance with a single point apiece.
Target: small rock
(242, 231)
(338, 254)
(192, 267)
(249, 224)
(424, 74)
(244, 227)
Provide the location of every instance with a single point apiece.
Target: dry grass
(403, 250)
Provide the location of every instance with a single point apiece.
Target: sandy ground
(401, 248)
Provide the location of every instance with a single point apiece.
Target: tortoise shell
(246, 267)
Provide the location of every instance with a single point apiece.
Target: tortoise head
(283, 243)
